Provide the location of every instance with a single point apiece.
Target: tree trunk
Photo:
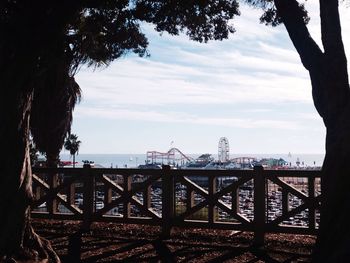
(52, 159)
(331, 95)
(333, 241)
(30, 31)
(332, 100)
(18, 240)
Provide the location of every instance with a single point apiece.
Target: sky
(251, 89)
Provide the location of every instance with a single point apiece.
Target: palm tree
(54, 99)
(72, 145)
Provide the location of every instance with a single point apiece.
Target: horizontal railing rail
(262, 201)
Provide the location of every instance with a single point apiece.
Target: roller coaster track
(170, 155)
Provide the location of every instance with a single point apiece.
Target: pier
(259, 201)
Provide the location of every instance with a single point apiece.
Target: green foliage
(55, 97)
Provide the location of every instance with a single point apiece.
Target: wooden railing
(261, 201)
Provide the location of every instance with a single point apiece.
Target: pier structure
(173, 156)
(244, 160)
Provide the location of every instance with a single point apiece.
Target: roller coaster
(173, 156)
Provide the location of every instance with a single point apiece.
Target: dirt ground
(110, 242)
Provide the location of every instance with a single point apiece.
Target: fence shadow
(183, 246)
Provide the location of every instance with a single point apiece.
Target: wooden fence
(261, 201)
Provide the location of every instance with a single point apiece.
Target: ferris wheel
(223, 150)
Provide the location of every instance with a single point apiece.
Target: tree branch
(331, 28)
(293, 19)
(334, 48)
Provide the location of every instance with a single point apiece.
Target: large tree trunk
(333, 243)
(331, 94)
(30, 31)
(332, 99)
(18, 240)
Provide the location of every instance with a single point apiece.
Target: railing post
(235, 200)
(127, 188)
(37, 193)
(312, 210)
(53, 204)
(89, 196)
(71, 194)
(189, 198)
(211, 209)
(168, 201)
(147, 197)
(107, 194)
(259, 206)
(285, 201)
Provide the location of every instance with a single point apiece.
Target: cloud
(184, 118)
(196, 78)
(251, 66)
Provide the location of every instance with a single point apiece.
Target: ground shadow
(184, 246)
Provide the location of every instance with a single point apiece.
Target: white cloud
(250, 67)
(226, 78)
(182, 117)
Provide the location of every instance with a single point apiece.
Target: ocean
(133, 160)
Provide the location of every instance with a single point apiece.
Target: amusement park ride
(223, 150)
(175, 156)
(172, 156)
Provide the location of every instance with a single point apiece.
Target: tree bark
(30, 31)
(18, 67)
(18, 240)
(333, 241)
(330, 90)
